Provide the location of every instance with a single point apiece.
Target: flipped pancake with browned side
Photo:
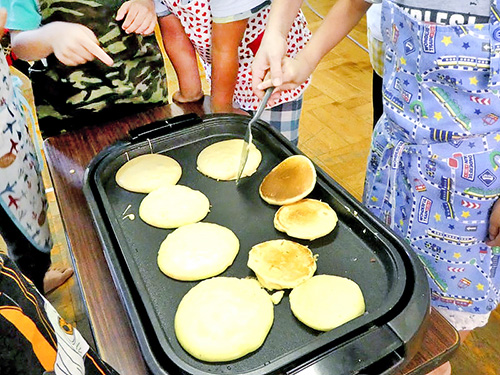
(221, 160)
(173, 206)
(306, 219)
(281, 264)
(197, 251)
(288, 182)
(223, 318)
(148, 172)
(325, 302)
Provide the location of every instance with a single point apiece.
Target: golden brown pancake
(306, 219)
(325, 301)
(223, 318)
(290, 181)
(221, 160)
(197, 251)
(148, 172)
(281, 264)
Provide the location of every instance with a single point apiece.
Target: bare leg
(55, 277)
(182, 55)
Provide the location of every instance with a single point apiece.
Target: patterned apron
(196, 19)
(22, 193)
(433, 170)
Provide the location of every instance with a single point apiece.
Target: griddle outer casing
(361, 248)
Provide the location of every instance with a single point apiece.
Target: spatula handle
(262, 104)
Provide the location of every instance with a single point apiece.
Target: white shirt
(229, 8)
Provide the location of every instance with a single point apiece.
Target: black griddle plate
(360, 248)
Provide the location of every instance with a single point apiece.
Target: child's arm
(226, 38)
(494, 227)
(140, 16)
(72, 44)
(273, 47)
(341, 18)
(3, 20)
(182, 55)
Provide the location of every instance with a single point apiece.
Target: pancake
(288, 182)
(173, 206)
(197, 251)
(148, 172)
(221, 160)
(281, 264)
(223, 318)
(306, 219)
(326, 301)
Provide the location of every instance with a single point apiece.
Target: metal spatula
(247, 141)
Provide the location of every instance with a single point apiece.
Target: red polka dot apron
(196, 19)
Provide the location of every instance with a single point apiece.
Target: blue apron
(433, 170)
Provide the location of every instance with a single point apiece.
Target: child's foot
(55, 277)
(239, 111)
(444, 369)
(179, 98)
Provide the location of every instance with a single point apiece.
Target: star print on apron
(433, 171)
(22, 194)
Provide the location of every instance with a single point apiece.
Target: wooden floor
(335, 132)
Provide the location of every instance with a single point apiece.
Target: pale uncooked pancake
(290, 181)
(326, 301)
(148, 172)
(221, 160)
(276, 297)
(306, 219)
(173, 206)
(197, 251)
(281, 264)
(224, 318)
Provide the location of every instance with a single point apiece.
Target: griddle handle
(378, 351)
(163, 127)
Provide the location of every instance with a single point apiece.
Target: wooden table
(68, 156)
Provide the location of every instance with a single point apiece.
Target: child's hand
(295, 71)
(267, 64)
(271, 67)
(75, 44)
(140, 16)
(494, 228)
(292, 73)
